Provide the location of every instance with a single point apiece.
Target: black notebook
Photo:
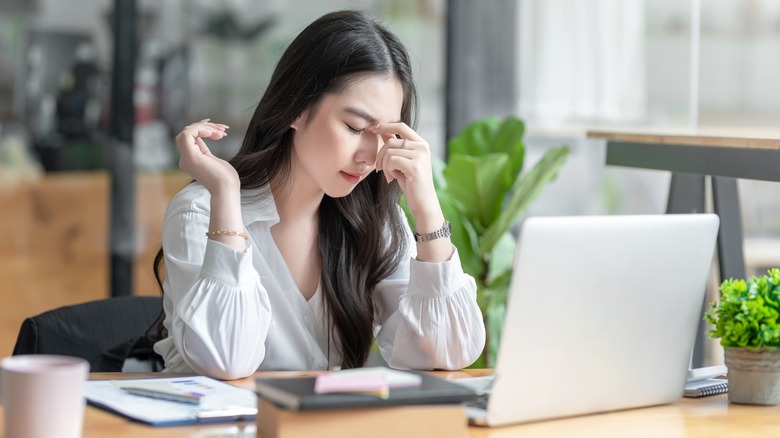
(297, 393)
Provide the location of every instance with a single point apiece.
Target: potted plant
(747, 321)
(483, 195)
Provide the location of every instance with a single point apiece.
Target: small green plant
(749, 312)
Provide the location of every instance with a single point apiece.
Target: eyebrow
(364, 115)
(360, 113)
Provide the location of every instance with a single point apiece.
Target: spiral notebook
(703, 388)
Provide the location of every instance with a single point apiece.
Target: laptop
(602, 315)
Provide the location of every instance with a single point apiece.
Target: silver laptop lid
(602, 314)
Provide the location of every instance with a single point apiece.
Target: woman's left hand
(406, 157)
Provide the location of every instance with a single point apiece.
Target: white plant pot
(754, 375)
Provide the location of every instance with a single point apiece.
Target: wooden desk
(710, 417)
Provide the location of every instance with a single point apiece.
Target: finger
(218, 126)
(189, 141)
(205, 122)
(205, 132)
(390, 147)
(394, 169)
(209, 126)
(397, 160)
(390, 143)
(202, 147)
(400, 129)
(393, 135)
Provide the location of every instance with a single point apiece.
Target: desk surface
(710, 417)
(693, 140)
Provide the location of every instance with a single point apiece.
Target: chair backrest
(104, 332)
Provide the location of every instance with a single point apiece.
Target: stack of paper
(219, 401)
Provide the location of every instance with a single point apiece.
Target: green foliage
(483, 195)
(749, 312)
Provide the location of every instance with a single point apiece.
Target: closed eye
(355, 131)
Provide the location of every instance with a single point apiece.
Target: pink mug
(43, 396)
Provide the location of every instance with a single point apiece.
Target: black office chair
(104, 332)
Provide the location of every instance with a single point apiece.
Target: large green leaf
(437, 167)
(463, 236)
(487, 136)
(509, 140)
(525, 190)
(500, 261)
(479, 185)
(476, 139)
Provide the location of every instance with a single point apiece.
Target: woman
(295, 255)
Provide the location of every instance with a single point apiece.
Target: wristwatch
(444, 231)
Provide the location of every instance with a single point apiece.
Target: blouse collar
(259, 205)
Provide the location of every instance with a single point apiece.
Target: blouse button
(307, 320)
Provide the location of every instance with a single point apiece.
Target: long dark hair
(362, 235)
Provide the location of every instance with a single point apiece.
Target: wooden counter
(55, 245)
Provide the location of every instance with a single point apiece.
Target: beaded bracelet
(227, 233)
(444, 231)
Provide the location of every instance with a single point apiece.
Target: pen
(162, 395)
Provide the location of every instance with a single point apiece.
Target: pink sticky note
(350, 383)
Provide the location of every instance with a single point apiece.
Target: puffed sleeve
(428, 316)
(217, 310)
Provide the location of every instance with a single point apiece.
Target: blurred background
(92, 93)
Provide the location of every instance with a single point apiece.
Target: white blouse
(231, 313)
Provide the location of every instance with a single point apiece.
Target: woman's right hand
(196, 159)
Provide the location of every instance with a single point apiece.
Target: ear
(296, 122)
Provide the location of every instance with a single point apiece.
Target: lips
(352, 177)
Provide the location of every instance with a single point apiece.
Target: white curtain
(582, 60)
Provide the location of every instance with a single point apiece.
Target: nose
(368, 149)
